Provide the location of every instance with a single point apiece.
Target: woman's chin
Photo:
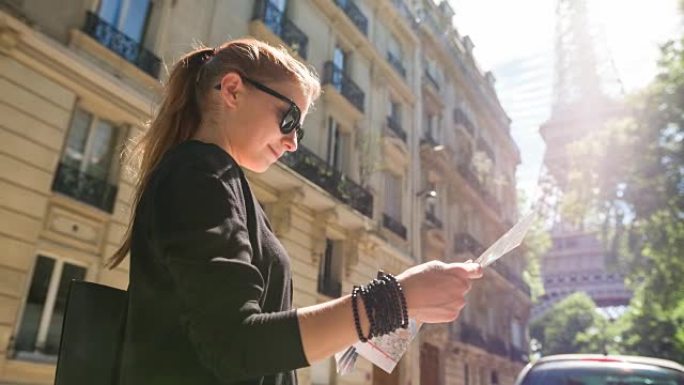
(258, 167)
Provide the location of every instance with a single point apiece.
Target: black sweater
(210, 290)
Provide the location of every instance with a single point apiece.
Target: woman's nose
(290, 141)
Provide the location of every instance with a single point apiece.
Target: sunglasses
(291, 120)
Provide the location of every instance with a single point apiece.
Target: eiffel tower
(583, 100)
(583, 76)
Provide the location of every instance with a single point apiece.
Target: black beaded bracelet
(355, 309)
(369, 303)
(385, 304)
(402, 299)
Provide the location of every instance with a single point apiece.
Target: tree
(570, 326)
(629, 177)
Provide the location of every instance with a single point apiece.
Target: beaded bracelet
(355, 308)
(385, 305)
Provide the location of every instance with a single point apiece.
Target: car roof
(614, 358)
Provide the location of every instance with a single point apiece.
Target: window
(340, 64)
(395, 111)
(491, 321)
(394, 48)
(128, 16)
(40, 328)
(466, 374)
(393, 189)
(87, 169)
(330, 270)
(516, 332)
(495, 378)
(338, 141)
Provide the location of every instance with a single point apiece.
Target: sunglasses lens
(290, 120)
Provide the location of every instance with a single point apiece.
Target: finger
(467, 270)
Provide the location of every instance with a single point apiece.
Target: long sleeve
(201, 232)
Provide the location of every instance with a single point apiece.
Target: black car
(584, 369)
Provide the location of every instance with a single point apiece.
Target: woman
(210, 290)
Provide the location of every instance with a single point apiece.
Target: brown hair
(180, 114)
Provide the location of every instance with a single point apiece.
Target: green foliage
(628, 178)
(537, 243)
(570, 326)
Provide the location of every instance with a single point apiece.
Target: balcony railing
(276, 21)
(406, 12)
(496, 345)
(85, 188)
(470, 334)
(466, 243)
(355, 15)
(518, 355)
(315, 169)
(461, 118)
(429, 140)
(511, 277)
(124, 46)
(394, 225)
(397, 64)
(474, 182)
(396, 129)
(431, 79)
(343, 83)
(432, 218)
(330, 287)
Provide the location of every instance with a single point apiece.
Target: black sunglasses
(291, 120)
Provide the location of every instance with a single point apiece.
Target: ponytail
(177, 119)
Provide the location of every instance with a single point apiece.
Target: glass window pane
(133, 24)
(109, 11)
(69, 272)
(102, 146)
(30, 321)
(77, 138)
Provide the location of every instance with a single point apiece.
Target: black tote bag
(92, 335)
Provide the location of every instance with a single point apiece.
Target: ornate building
(407, 158)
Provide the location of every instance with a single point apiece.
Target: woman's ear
(231, 86)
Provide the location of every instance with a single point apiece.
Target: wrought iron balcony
(315, 169)
(461, 118)
(330, 287)
(474, 183)
(406, 12)
(466, 243)
(94, 191)
(343, 83)
(397, 64)
(429, 140)
(470, 334)
(394, 225)
(511, 277)
(518, 355)
(124, 46)
(276, 21)
(496, 345)
(355, 15)
(396, 129)
(431, 79)
(432, 218)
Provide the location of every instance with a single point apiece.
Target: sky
(514, 39)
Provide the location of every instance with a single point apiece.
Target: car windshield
(601, 373)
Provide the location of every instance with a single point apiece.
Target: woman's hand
(435, 291)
